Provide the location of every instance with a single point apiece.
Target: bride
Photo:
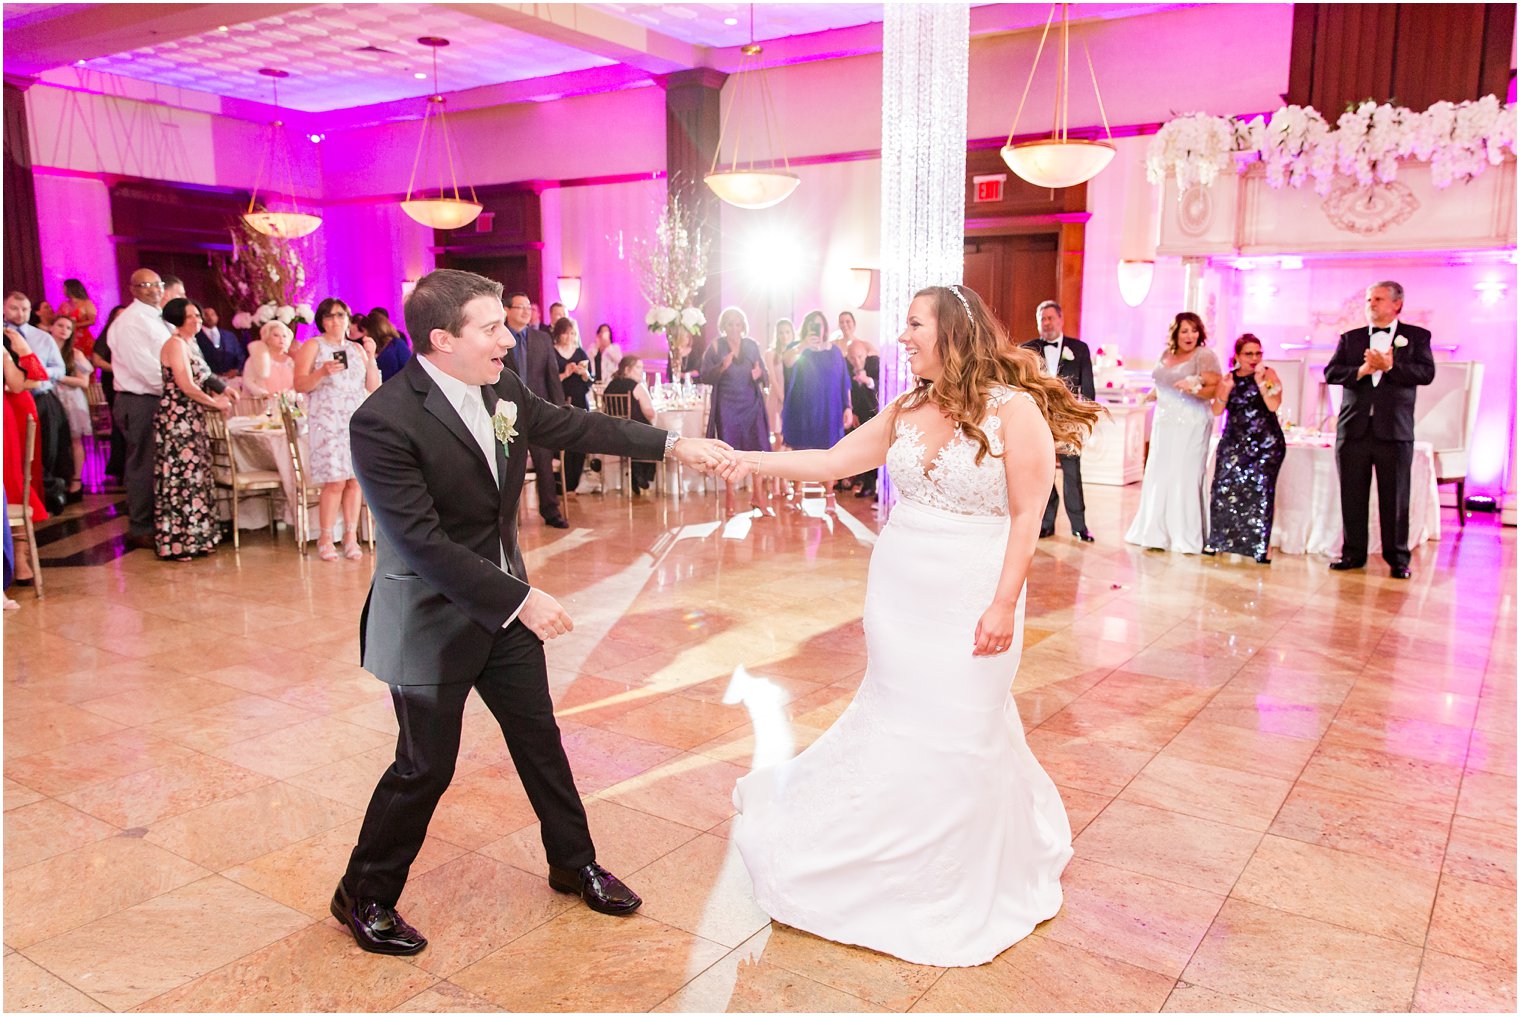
(920, 824)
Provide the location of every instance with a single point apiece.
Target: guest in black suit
(1380, 367)
(533, 361)
(224, 351)
(1068, 359)
(441, 452)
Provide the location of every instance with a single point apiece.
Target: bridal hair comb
(961, 297)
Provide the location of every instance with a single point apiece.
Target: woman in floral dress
(335, 374)
(185, 524)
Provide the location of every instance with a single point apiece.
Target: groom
(441, 451)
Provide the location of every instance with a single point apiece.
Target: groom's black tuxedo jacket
(1384, 411)
(439, 596)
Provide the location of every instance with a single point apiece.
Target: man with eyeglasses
(137, 338)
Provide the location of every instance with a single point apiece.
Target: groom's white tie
(475, 417)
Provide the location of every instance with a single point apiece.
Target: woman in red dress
(80, 309)
(22, 368)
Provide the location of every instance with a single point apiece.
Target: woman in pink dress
(270, 368)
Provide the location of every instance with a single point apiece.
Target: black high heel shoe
(1263, 559)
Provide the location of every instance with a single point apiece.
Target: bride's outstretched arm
(862, 449)
(1029, 463)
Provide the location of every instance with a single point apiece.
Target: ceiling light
(285, 225)
(730, 22)
(420, 75)
(1059, 160)
(750, 186)
(443, 211)
(221, 28)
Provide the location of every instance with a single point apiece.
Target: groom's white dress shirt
(471, 407)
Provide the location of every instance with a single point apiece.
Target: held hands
(736, 469)
(994, 631)
(544, 617)
(702, 454)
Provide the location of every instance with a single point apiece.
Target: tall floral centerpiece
(265, 278)
(672, 269)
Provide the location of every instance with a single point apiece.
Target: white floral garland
(1458, 140)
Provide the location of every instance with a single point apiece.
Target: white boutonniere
(1066, 354)
(1400, 342)
(505, 421)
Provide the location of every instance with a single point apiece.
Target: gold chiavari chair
(20, 515)
(239, 484)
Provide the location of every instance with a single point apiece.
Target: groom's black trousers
(515, 686)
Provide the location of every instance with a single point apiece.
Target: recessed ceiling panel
(343, 55)
(706, 24)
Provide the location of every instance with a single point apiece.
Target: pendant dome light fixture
(1059, 160)
(443, 211)
(276, 157)
(745, 186)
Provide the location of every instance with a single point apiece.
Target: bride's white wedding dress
(919, 824)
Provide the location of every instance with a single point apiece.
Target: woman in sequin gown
(1251, 451)
(1173, 502)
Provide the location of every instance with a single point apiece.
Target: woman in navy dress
(735, 368)
(817, 407)
(1251, 451)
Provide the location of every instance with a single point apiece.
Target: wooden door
(195, 271)
(511, 270)
(1013, 275)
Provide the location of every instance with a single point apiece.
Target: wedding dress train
(919, 824)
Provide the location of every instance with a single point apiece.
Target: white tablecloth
(255, 447)
(687, 423)
(1308, 516)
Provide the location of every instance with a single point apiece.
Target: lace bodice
(954, 482)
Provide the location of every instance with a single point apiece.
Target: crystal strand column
(923, 170)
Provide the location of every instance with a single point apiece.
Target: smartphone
(341, 357)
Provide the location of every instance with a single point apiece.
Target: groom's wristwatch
(671, 437)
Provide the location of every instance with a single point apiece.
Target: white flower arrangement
(1400, 342)
(285, 314)
(692, 318)
(242, 320)
(1458, 140)
(1066, 354)
(504, 421)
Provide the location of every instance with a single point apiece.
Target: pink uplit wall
(369, 250)
(584, 136)
(796, 257)
(1282, 307)
(596, 226)
(73, 220)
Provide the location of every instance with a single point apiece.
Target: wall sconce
(1135, 280)
(1490, 291)
(570, 292)
(865, 288)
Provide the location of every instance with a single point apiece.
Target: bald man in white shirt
(137, 337)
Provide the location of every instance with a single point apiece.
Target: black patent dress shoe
(597, 886)
(1344, 565)
(1399, 573)
(376, 927)
(1047, 532)
(1083, 535)
(558, 522)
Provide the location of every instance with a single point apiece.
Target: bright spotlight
(770, 261)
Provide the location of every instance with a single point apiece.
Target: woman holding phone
(335, 374)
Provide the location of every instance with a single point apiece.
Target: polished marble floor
(1290, 789)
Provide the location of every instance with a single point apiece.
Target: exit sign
(989, 188)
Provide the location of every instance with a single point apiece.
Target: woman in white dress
(920, 824)
(1174, 504)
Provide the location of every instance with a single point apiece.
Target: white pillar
(925, 48)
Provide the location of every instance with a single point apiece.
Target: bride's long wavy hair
(978, 356)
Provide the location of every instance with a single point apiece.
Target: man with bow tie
(1380, 367)
(1069, 360)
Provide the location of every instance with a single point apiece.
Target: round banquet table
(686, 422)
(1308, 505)
(258, 445)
